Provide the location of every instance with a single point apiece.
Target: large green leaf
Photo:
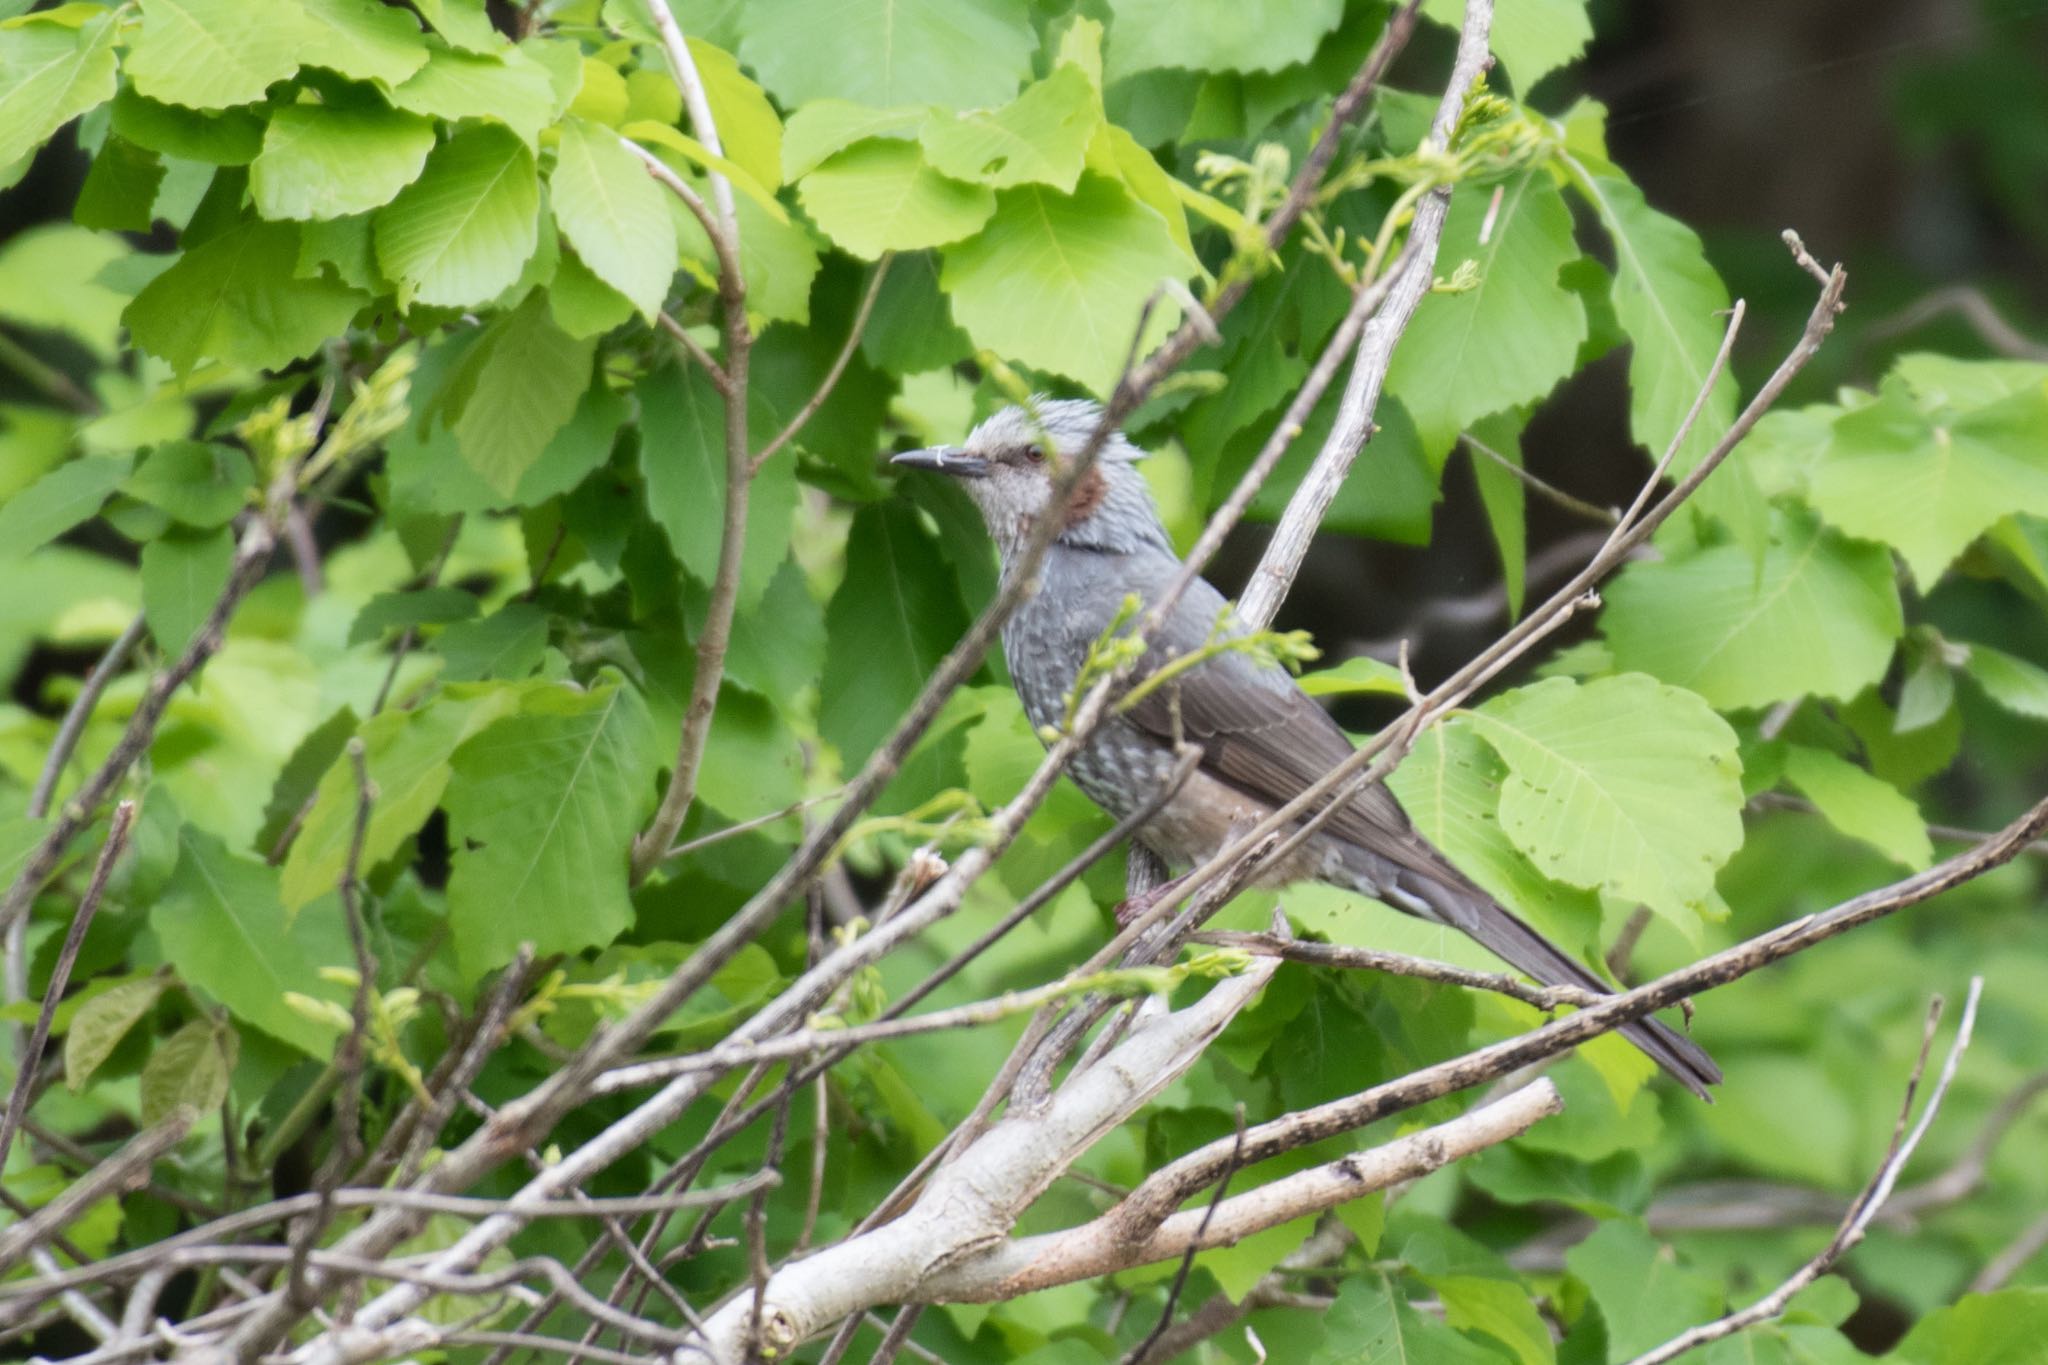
(364, 40)
(209, 54)
(510, 88)
(1371, 1323)
(613, 213)
(407, 754)
(49, 75)
(542, 811)
(1820, 619)
(461, 232)
(1041, 136)
(1621, 784)
(1217, 35)
(223, 927)
(1509, 339)
(823, 127)
(200, 483)
(1930, 485)
(2014, 683)
(1059, 281)
(191, 1067)
(886, 628)
(326, 162)
(1861, 805)
(962, 54)
(1645, 1296)
(682, 462)
(49, 279)
(237, 298)
(1531, 38)
(227, 137)
(1450, 785)
(2005, 1328)
(103, 1021)
(59, 500)
(515, 388)
(183, 573)
(878, 195)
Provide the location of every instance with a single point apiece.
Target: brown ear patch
(1088, 496)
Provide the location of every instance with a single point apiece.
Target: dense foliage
(390, 288)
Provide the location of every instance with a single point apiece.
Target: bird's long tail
(1451, 898)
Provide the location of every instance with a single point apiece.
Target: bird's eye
(1034, 453)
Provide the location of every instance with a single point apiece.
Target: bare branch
(72, 727)
(1968, 303)
(839, 363)
(684, 68)
(1400, 964)
(30, 1062)
(1861, 1212)
(128, 1165)
(1541, 487)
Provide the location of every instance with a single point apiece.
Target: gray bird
(1263, 740)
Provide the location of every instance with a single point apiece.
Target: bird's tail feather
(1452, 899)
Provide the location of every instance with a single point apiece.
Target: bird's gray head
(1008, 464)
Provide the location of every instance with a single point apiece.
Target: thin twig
(1399, 964)
(692, 348)
(1138, 1354)
(1542, 487)
(839, 363)
(117, 1172)
(1857, 1222)
(60, 975)
(72, 727)
(1970, 304)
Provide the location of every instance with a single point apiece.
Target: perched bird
(1262, 739)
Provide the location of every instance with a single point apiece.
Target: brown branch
(125, 1167)
(72, 727)
(1857, 1222)
(696, 352)
(1970, 304)
(74, 939)
(1344, 956)
(1541, 487)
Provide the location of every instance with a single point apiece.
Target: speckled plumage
(1263, 739)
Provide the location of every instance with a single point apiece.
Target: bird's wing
(1262, 734)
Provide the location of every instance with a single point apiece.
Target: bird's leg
(1136, 906)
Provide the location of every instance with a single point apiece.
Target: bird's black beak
(944, 460)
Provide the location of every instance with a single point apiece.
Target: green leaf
(510, 88)
(1606, 1188)
(183, 573)
(1643, 1293)
(748, 127)
(223, 927)
(236, 298)
(230, 137)
(61, 499)
(2005, 1328)
(1929, 487)
(613, 213)
(1505, 498)
(1216, 35)
(1671, 303)
(191, 1067)
(1508, 340)
(364, 40)
(2014, 683)
(49, 280)
(197, 482)
(1820, 619)
(1500, 1309)
(1041, 136)
(291, 795)
(102, 1022)
(542, 812)
(323, 161)
(506, 644)
(582, 304)
(1621, 784)
(682, 462)
(879, 196)
(1450, 786)
(1363, 674)
(961, 54)
(1531, 38)
(823, 127)
(1860, 805)
(389, 611)
(1372, 1324)
(408, 755)
(460, 234)
(209, 54)
(1058, 282)
(886, 628)
(120, 190)
(50, 75)
(515, 388)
